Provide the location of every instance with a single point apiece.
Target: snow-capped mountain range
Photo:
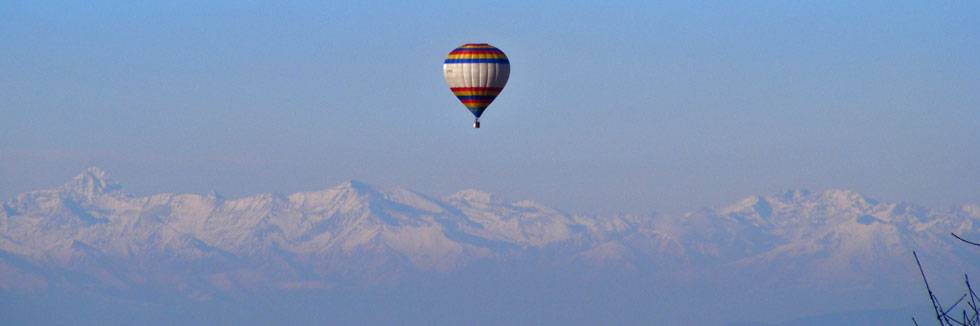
(89, 233)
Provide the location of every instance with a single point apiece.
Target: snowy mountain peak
(473, 195)
(214, 195)
(794, 195)
(91, 182)
(754, 204)
(94, 172)
(847, 198)
(358, 186)
(971, 209)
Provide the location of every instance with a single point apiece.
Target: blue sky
(627, 107)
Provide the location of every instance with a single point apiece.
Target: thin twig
(946, 312)
(973, 301)
(935, 303)
(965, 240)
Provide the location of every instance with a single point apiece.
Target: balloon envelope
(476, 73)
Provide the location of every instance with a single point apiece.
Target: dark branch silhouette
(969, 315)
(965, 240)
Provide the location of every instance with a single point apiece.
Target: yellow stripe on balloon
(475, 93)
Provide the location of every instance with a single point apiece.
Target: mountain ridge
(356, 233)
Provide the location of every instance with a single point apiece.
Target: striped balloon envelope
(476, 73)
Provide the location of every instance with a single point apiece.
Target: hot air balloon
(476, 73)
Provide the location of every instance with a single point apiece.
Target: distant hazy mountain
(90, 234)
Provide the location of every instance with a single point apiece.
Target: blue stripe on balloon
(477, 61)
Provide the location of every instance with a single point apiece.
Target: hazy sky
(628, 107)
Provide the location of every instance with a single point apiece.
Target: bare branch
(967, 308)
(935, 305)
(965, 240)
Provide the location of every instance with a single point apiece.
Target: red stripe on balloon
(476, 52)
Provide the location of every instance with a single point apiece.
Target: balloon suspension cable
(476, 123)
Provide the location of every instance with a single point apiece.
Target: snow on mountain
(89, 232)
(840, 238)
(523, 223)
